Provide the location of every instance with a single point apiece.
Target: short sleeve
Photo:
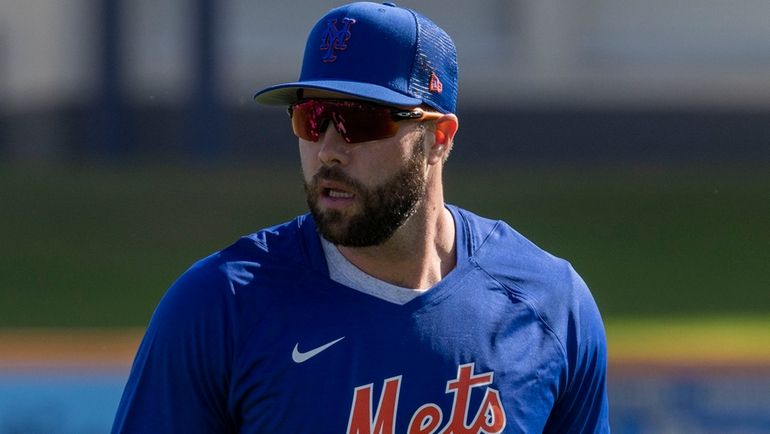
(583, 406)
(179, 380)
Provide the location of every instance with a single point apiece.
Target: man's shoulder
(528, 272)
(546, 283)
(282, 244)
(495, 245)
(259, 256)
(245, 276)
(281, 240)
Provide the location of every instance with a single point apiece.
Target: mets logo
(335, 39)
(487, 418)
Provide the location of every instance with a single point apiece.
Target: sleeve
(583, 406)
(179, 381)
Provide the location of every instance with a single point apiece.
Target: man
(384, 310)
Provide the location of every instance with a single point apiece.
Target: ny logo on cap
(334, 39)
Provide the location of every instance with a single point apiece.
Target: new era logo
(335, 39)
(435, 84)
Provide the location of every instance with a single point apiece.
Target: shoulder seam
(489, 234)
(518, 294)
(473, 247)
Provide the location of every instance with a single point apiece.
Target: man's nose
(334, 150)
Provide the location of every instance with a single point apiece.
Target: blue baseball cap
(378, 52)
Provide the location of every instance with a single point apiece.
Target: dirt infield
(634, 347)
(68, 348)
(689, 346)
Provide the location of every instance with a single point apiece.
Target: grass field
(648, 242)
(97, 246)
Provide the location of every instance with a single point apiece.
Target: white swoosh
(300, 357)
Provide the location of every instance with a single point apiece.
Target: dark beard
(385, 208)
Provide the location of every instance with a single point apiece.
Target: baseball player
(383, 310)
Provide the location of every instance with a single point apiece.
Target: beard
(385, 208)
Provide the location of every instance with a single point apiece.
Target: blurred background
(632, 138)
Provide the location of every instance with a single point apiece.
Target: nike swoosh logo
(300, 357)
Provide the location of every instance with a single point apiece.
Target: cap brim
(286, 93)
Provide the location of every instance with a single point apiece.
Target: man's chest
(336, 370)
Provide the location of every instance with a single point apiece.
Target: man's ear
(444, 131)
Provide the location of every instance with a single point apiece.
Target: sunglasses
(356, 121)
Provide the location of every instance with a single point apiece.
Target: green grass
(648, 242)
(98, 246)
(94, 247)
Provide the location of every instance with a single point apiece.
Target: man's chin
(335, 233)
(332, 224)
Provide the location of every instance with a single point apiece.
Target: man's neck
(418, 255)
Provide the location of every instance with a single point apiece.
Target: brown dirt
(67, 348)
(55, 349)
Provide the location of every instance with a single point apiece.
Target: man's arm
(583, 407)
(180, 378)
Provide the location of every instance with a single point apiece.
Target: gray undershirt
(345, 273)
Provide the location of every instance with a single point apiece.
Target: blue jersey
(257, 339)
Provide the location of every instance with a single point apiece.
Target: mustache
(336, 174)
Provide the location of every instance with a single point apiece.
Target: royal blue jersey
(257, 339)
